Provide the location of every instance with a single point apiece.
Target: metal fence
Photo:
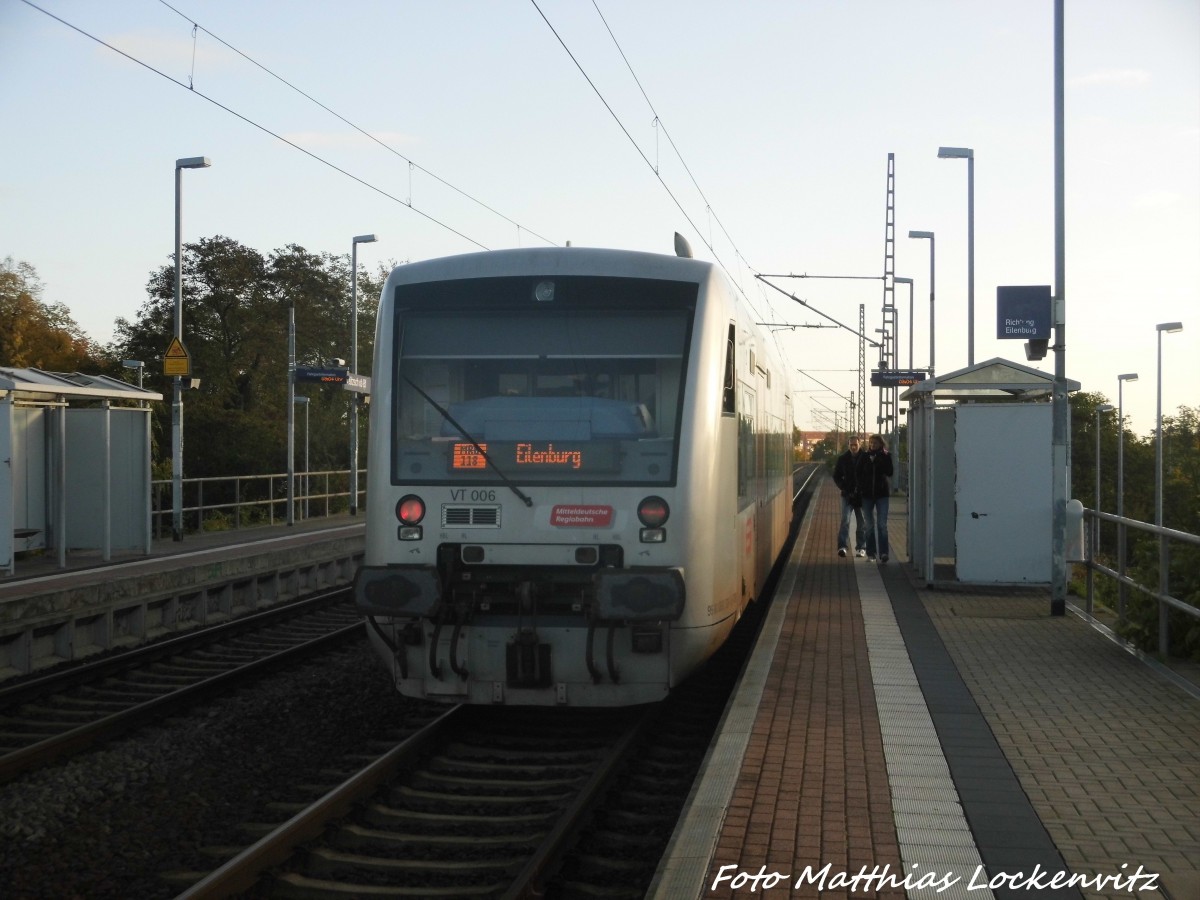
(1161, 593)
(247, 501)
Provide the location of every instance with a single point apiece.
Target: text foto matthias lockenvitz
(881, 878)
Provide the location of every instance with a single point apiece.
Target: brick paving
(813, 788)
(1106, 751)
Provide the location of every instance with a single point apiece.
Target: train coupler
(527, 662)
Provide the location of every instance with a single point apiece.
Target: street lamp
(969, 155)
(909, 282)
(135, 364)
(1101, 408)
(1122, 591)
(1121, 379)
(1158, 440)
(360, 239)
(303, 401)
(191, 162)
(1164, 576)
(140, 366)
(922, 235)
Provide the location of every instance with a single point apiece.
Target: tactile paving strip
(935, 839)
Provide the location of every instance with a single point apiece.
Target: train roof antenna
(682, 247)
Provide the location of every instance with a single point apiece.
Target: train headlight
(653, 513)
(410, 510)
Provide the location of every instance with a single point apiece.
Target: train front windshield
(584, 385)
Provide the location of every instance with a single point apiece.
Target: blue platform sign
(1023, 312)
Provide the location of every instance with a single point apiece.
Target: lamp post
(927, 444)
(191, 162)
(909, 282)
(969, 155)
(1164, 581)
(923, 235)
(887, 422)
(140, 366)
(135, 364)
(1121, 590)
(1095, 532)
(360, 239)
(1171, 327)
(303, 401)
(1102, 408)
(911, 329)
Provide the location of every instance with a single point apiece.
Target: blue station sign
(1023, 312)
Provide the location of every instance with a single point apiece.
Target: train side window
(728, 396)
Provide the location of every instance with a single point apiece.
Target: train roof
(551, 261)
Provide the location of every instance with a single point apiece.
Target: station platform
(888, 741)
(51, 614)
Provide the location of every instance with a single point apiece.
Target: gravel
(112, 822)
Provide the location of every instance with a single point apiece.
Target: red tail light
(653, 512)
(410, 509)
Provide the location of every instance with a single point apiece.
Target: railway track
(479, 803)
(49, 718)
(503, 803)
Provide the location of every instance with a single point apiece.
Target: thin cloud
(1113, 77)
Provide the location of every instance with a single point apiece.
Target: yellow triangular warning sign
(177, 361)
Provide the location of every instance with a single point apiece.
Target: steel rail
(113, 664)
(529, 882)
(241, 872)
(53, 748)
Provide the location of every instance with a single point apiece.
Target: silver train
(579, 474)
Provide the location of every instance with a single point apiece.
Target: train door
(748, 501)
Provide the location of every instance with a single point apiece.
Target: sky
(759, 130)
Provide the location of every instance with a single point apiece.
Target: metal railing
(248, 501)
(1161, 594)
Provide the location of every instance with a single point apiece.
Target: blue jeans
(875, 513)
(844, 531)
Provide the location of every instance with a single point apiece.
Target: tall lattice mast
(860, 418)
(887, 353)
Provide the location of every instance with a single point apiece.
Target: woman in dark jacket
(872, 472)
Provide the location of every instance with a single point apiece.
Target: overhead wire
(660, 124)
(636, 146)
(360, 130)
(191, 89)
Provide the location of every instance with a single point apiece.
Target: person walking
(873, 471)
(845, 477)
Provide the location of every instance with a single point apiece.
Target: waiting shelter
(74, 467)
(981, 474)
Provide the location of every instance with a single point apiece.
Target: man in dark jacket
(873, 470)
(844, 476)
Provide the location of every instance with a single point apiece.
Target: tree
(236, 305)
(39, 335)
(1181, 511)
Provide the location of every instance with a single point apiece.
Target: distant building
(807, 440)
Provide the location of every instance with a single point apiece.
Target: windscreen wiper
(474, 443)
